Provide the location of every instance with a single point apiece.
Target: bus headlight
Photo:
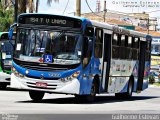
(16, 73)
(75, 75)
(70, 78)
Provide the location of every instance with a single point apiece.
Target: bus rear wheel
(127, 94)
(36, 96)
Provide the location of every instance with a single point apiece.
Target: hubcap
(93, 91)
(130, 88)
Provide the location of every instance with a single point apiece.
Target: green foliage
(6, 17)
(151, 78)
(156, 84)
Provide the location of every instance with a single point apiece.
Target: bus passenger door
(106, 59)
(141, 65)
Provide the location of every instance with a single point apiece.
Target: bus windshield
(7, 47)
(62, 47)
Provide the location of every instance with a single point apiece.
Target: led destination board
(50, 20)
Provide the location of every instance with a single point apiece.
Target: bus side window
(137, 43)
(88, 42)
(99, 43)
(115, 46)
(129, 48)
(130, 42)
(119, 40)
(115, 39)
(123, 40)
(123, 47)
(126, 41)
(135, 46)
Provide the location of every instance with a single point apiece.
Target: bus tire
(36, 96)
(91, 97)
(130, 88)
(127, 94)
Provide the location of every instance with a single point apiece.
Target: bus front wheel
(92, 96)
(36, 96)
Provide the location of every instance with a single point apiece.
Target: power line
(92, 10)
(108, 10)
(66, 7)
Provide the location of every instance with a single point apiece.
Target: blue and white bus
(72, 55)
(6, 55)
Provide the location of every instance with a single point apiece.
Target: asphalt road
(19, 102)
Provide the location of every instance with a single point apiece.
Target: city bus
(6, 54)
(78, 56)
(155, 60)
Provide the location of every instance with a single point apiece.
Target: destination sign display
(50, 20)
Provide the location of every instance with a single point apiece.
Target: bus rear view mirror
(10, 33)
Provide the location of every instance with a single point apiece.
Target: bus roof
(96, 23)
(113, 27)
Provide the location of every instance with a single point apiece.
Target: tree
(6, 16)
(49, 2)
(23, 5)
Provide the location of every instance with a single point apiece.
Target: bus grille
(42, 68)
(34, 77)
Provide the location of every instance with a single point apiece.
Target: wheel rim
(130, 88)
(93, 91)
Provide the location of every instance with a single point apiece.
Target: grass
(157, 84)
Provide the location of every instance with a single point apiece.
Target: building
(137, 21)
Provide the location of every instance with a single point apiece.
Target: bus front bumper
(52, 86)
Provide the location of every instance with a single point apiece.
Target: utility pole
(15, 10)
(78, 7)
(37, 1)
(105, 10)
(148, 24)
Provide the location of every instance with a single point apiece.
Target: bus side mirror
(10, 33)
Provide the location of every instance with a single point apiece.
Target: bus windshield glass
(7, 47)
(60, 47)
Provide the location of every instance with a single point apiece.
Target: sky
(137, 6)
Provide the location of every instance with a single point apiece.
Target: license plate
(40, 84)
